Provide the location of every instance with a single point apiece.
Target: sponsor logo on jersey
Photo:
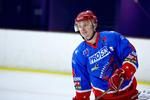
(78, 87)
(77, 83)
(77, 79)
(111, 48)
(133, 61)
(94, 68)
(104, 39)
(103, 69)
(102, 53)
(132, 57)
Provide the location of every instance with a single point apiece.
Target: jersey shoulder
(80, 48)
(111, 34)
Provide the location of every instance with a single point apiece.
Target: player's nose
(83, 29)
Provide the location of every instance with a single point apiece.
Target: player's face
(86, 29)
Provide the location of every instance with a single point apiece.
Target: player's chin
(87, 38)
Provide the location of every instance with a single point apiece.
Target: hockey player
(104, 60)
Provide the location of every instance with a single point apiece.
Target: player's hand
(116, 80)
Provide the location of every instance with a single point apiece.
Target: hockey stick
(121, 81)
(102, 94)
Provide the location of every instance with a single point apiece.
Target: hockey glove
(124, 73)
(115, 81)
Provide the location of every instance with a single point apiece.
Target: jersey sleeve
(80, 76)
(127, 55)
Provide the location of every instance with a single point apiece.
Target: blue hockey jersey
(93, 65)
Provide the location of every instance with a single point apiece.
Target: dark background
(128, 17)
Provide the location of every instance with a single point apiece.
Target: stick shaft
(102, 94)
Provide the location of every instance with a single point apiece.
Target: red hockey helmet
(85, 16)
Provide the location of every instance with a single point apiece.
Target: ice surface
(37, 86)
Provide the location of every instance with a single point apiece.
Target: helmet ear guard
(76, 27)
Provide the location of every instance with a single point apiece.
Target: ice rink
(15, 85)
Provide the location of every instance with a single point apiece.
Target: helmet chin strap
(92, 36)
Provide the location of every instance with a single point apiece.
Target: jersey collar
(94, 46)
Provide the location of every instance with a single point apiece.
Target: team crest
(86, 52)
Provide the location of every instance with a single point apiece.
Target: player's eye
(83, 25)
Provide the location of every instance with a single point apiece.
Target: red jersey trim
(83, 95)
(94, 46)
